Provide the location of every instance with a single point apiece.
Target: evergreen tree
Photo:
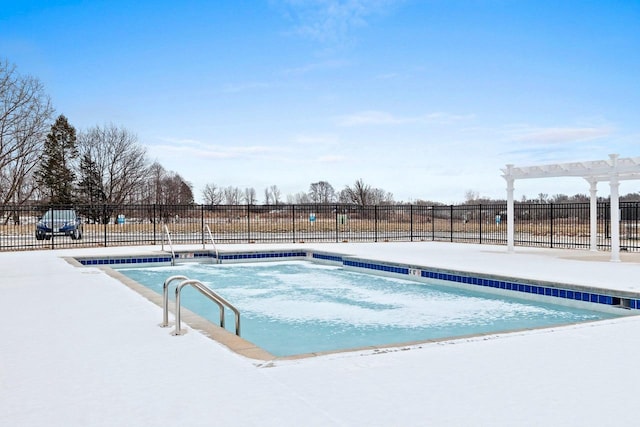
(90, 185)
(90, 190)
(55, 173)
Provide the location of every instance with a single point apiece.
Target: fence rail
(553, 225)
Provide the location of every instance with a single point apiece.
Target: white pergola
(614, 170)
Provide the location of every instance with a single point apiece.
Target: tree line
(321, 192)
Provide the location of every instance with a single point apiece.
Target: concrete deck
(80, 349)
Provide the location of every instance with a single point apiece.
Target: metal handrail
(165, 298)
(165, 302)
(173, 254)
(206, 227)
(209, 294)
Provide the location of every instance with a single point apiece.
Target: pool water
(297, 307)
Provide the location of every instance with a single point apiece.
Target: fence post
(248, 224)
(451, 223)
(53, 235)
(337, 225)
(635, 222)
(202, 224)
(433, 223)
(293, 222)
(551, 224)
(480, 222)
(411, 223)
(162, 220)
(104, 222)
(375, 223)
(153, 221)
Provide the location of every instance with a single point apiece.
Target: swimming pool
(298, 307)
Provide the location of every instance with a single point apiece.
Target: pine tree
(90, 189)
(90, 184)
(55, 174)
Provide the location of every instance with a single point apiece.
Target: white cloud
(370, 118)
(187, 147)
(332, 20)
(318, 66)
(526, 145)
(364, 118)
(447, 118)
(561, 135)
(316, 140)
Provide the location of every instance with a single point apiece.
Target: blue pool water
(298, 307)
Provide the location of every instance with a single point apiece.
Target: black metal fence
(562, 225)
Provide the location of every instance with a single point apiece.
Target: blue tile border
(551, 291)
(457, 277)
(378, 267)
(189, 255)
(120, 261)
(262, 255)
(326, 257)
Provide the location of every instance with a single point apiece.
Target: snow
(78, 348)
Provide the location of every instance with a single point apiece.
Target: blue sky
(426, 99)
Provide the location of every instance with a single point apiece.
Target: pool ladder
(215, 249)
(206, 228)
(173, 254)
(204, 290)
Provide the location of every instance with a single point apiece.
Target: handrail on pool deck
(204, 290)
(215, 249)
(173, 255)
(165, 302)
(165, 298)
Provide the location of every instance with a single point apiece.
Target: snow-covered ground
(78, 348)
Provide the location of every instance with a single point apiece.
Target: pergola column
(614, 183)
(593, 215)
(510, 210)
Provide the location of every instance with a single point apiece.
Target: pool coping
(488, 283)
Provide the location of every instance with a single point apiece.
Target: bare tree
(471, 196)
(212, 195)
(267, 196)
(176, 190)
(163, 187)
(25, 113)
(363, 194)
(232, 195)
(559, 198)
(359, 194)
(153, 185)
(300, 198)
(250, 196)
(122, 162)
(380, 197)
(275, 194)
(321, 192)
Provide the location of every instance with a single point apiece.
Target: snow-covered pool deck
(78, 348)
